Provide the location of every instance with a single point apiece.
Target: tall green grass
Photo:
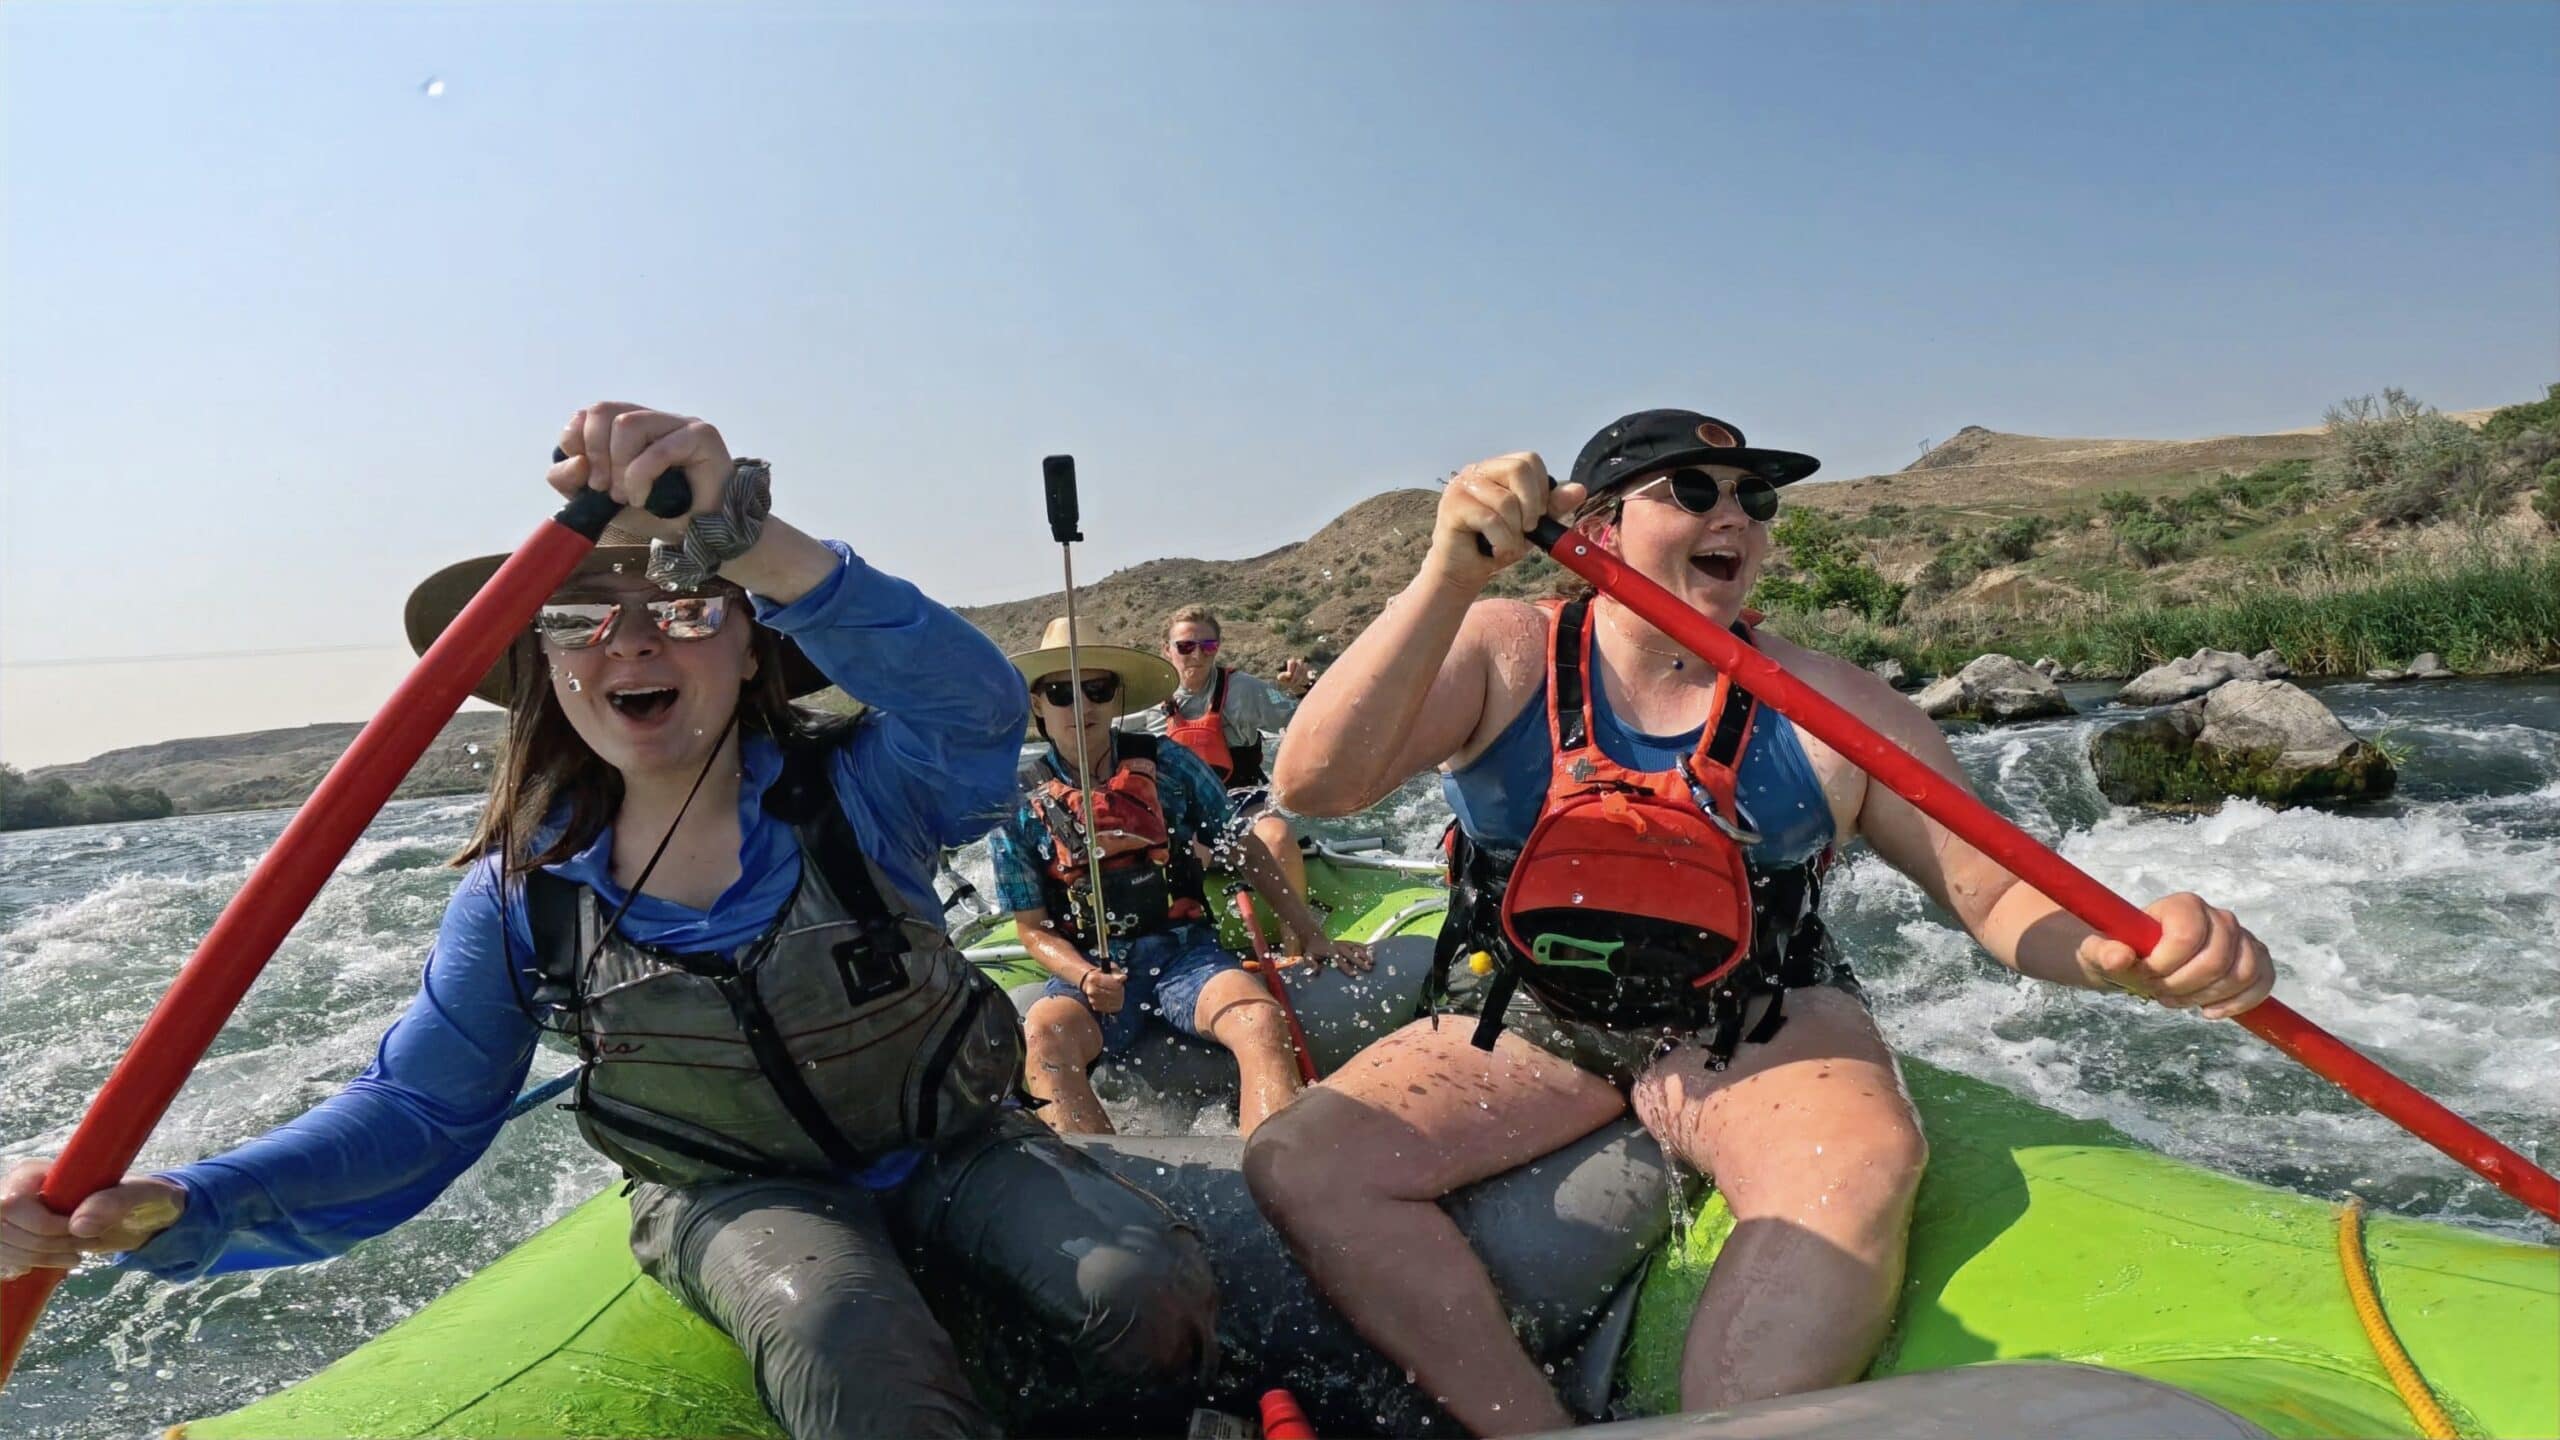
(2495, 610)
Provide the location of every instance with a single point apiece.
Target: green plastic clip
(1595, 953)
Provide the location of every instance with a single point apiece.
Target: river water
(2425, 931)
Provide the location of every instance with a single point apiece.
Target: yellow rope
(2423, 1408)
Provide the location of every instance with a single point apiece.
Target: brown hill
(279, 767)
(1976, 466)
(1307, 599)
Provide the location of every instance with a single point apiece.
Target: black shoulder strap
(1733, 722)
(1218, 697)
(554, 912)
(1564, 668)
(805, 797)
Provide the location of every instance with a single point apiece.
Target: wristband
(714, 538)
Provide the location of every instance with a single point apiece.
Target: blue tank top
(1497, 798)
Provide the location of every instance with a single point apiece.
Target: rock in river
(1995, 689)
(2261, 740)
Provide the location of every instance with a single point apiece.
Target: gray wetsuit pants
(1081, 1303)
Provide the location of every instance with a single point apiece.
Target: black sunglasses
(1699, 492)
(1097, 690)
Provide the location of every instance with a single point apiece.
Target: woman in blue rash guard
(724, 908)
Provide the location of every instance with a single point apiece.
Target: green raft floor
(2035, 1236)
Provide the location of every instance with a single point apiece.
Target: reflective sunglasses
(1699, 492)
(1205, 647)
(577, 626)
(1097, 690)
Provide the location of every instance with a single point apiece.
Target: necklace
(1679, 658)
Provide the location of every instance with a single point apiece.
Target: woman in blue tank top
(1783, 1090)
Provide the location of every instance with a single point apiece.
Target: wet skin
(1810, 1136)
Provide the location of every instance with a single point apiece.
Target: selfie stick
(1058, 480)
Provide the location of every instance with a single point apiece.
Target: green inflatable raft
(2036, 1237)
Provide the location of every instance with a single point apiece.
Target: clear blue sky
(283, 332)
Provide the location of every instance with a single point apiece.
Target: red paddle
(1269, 965)
(210, 985)
(2066, 884)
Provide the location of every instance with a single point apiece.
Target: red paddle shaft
(210, 985)
(1269, 965)
(1948, 803)
(1282, 1419)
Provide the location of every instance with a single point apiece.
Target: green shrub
(2510, 422)
(1827, 571)
(2546, 499)
(34, 805)
(2015, 540)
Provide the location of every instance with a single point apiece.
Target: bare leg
(1352, 1175)
(1060, 1039)
(1273, 829)
(1818, 1151)
(1238, 1012)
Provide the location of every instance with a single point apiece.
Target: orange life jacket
(1206, 736)
(1149, 879)
(1629, 905)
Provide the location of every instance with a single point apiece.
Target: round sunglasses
(1700, 491)
(583, 626)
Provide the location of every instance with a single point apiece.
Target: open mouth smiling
(642, 702)
(1720, 563)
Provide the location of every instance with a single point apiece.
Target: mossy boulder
(2261, 740)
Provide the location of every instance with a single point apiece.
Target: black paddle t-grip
(1544, 535)
(590, 511)
(1058, 483)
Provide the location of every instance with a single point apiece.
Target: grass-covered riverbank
(2494, 612)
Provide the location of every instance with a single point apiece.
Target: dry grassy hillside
(1306, 599)
(1976, 466)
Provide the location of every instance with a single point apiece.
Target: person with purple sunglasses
(1222, 715)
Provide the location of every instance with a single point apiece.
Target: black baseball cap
(1651, 441)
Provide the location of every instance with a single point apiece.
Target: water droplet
(1577, 897)
(617, 567)
(471, 749)
(574, 686)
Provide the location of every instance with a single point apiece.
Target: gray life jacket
(849, 1029)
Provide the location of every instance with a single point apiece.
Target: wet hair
(545, 768)
(1195, 615)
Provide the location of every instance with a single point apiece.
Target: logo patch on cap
(1712, 433)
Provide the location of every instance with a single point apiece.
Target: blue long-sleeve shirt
(935, 767)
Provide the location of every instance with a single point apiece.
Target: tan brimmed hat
(1144, 679)
(442, 595)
